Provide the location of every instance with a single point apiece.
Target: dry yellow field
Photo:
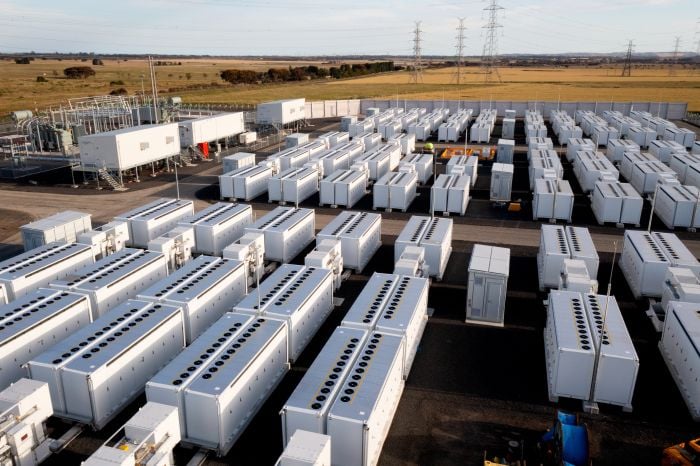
(19, 89)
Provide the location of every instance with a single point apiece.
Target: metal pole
(177, 182)
(653, 205)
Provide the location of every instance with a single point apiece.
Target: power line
(488, 58)
(627, 70)
(417, 72)
(676, 53)
(460, 50)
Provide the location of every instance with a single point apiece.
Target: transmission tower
(627, 70)
(676, 53)
(417, 73)
(488, 58)
(460, 50)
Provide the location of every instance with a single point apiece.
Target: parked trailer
(287, 232)
(616, 202)
(395, 190)
(220, 381)
(101, 368)
(552, 199)
(679, 348)
(678, 206)
(205, 289)
(423, 165)
(432, 234)
(359, 420)
(37, 268)
(299, 295)
(115, 279)
(294, 185)
(487, 286)
(154, 219)
(245, 183)
(360, 236)
(106, 239)
(450, 194)
(210, 128)
(395, 305)
(63, 226)
(343, 188)
(35, 322)
(218, 225)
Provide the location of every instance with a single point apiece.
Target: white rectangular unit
(299, 295)
(589, 172)
(245, 183)
(680, 284)
(433, 234)
(407, 143)
(544, 165)
(630, 159)
(334, 159)
(293, 185)
(238, 160)
(63, 226)
(554, 250)
(568, 347)
(361, 127)
(287, 232)
(116, 278)
(394, 151)
(450, 194)
(506, 149)
(37, 268)
(327, 255)
(155, 218)
(205, 289)
(334, 138)
(390, 129)
(296, 139)
(359, 420)
(176, 245)
(127, 148)
(249, 249)
(508, 130)
(395, 190)
(681, 162)
(501, 182)
(617, 147)
(616, 202)
(220, 381)
(280, 112)
(307, 408)
(680, 348)
(293, 158)
(488, 285)
(306, 449)
(360, 235)
(147, 439)
(106, 239)
(663, 150)
(248, 137)
(577, 145)
(642, 136)
(33, 323)
(581, 246)
(210, 128)
(618, 363)
(218, 225)
(343, 188)
(369, 140)
(101, 368)
(346, 121)
(423, 164)
(645, 176)
(574, 276)
(378, 163)
(678, 206)
(412, 263)
(470, 164)
(552, 199)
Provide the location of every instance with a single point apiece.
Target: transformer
(680, 284)
(501, 182)
(412, 263)
(306, 449)
(574, 276)
(360, 235)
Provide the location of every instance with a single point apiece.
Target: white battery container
(681, 162)
(116, 278)
(394, 151)
(296, 139)
(176, 245)
(646, 175)
(450, 194)
(378, 163)
(34, 323)
(553, 251)
(238, 160)
(434, 235)
(488, 285)
(220, 381)
(677, 205)
(369, 141)
(581, 246)
(630, 159)
(360, 235)
(63, 226)
(568, 347)
(245, 183)
(100, 369)
(617, 147)
(423, 165)
(543, 165)
(508, 130)
(346, 121)
(205, 288)
(154, 219)
(501, 182)
(590, 171)
(642, 136)
(361, 127)
(663, 150)
(359, 419)
(218, 225)
(395, 190)
(679, 348)
(470, 164)
(293, 158)
(552, 199)
(39, 267)
(293, 185)
(577, 145)
(343, 188)
(407, 143)
(616, 202)
(299, 295)
(287, 232)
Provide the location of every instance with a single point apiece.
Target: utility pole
(488, 57)
(676, 52)
(460, 50)
(627, 70)
(417, 73)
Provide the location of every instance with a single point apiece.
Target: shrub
(41, 79)
(118, 82)
(120, 91)
(78, 72)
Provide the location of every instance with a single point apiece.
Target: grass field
(19, 89)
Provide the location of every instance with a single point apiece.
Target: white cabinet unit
(294, 185)
(574, 276)
(287, 232)
(35, 322)
(346, 121)
(432, 234)
(306, 449)
(176, 245)
(470, 164)
(412, 263)
(544, 165)
(646, 175)
(210, 128)
(552, 199)
(100, 369)
(678, 206)
(155, 218)
(280, 112)
(343, 188)
(63, 226)
(617, 147)
(327, 255)
(238, 160)
(334, 159)
(568, 347)
(450, 194)
(106, 239)
(205, 289)
(407, 143)
(360, 235)
(221, 380)
(299, 295)
(616, 202)
(37, 268)
(554, 250)
(218, 225)
(116, 278)
(423, 165)
(369, 141)
(501, 182)
(508, 130)
(334, 138)
(395, 190)
(293, 158)
(245, 183)
(679, 348)
(361, 127)
(680, 284)
(506, 149)
(249, 249)
(488, 284)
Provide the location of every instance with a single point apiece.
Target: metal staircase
(105, 176)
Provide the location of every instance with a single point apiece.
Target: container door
(476, 297)
(492, 307)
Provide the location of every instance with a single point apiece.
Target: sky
(348, 27)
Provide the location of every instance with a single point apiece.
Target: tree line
(304, 73)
